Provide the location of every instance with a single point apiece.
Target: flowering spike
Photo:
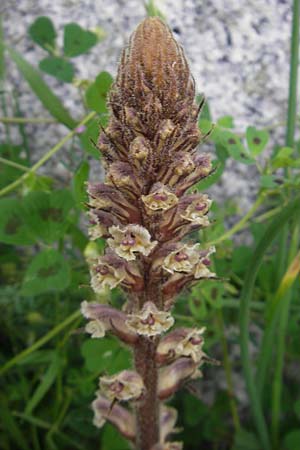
(144, 211)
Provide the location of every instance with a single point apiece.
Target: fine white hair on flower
(129, 240)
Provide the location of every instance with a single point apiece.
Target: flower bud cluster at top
(145, 209)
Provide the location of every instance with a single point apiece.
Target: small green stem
(45, 158)
(238, 226)
(20, 356)
(7, 162)
(18, 120)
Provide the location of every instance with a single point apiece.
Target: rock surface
(238, 52)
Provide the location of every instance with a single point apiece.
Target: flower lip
(182, 260)
(129, 240)
(105, 275)
(160, 198)
(150, 321)
(124, 386)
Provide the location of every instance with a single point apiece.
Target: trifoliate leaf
(47, 272)
(47, 213)
(256, 140)
(13, 228)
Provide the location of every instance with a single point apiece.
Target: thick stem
(147, 411)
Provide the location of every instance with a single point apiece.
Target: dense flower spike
(144, 211)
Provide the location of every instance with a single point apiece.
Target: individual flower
(172, 376)
(197, 211)
(181, 342)
(104, 275)
(182, 260)
(161, 198)
(122, 419)
(124, 386)
(111, 319)
(129, 240)
(150, 321)
(95, 328)
(201, 269)
(96, 229)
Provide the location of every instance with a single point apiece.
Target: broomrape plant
(145, 209)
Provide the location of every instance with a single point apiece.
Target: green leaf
(96, 93)
(47, 213)
(256, 140)
(226, 122)
(245, 440)
(111, 440)
(283, 158)
(35, 182)
(79, 184)
(268, 182)
(50, 101)
(42, 32)
(291, 440)
(234, 146)
(77, 40)
(13, 228)
(204, 184)
(104, 355)
(89, 136)
(7, 173)
(45, 384)
(58, 67)
(297, 408)
(47, 272)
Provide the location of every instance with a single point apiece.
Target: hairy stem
(147, 411)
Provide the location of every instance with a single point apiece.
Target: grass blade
(45, 384)
(50, 101)
(287, 213)
(11, 427)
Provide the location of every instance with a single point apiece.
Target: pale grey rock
(238, 52)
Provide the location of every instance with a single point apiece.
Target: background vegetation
(49, 370)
